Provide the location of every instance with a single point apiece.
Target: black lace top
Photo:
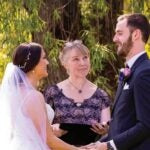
(67, 111)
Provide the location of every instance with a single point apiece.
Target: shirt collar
(131, 61)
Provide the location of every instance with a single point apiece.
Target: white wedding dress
(29, 140)
(17, 130)
(50, 113)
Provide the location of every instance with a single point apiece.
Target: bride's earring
(33, 71)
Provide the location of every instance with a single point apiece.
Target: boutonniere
(124, 74)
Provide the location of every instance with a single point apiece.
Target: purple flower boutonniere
(124, 74)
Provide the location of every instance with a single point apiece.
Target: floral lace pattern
(67, 111)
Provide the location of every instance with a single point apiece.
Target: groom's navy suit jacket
(130, 124)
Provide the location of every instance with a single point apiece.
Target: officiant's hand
(57, 131)
(100, 128)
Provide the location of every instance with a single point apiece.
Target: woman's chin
(44, 75)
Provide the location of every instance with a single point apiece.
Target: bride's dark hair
(27, 56)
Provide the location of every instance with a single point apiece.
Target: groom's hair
(137, 21)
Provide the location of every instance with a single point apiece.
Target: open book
(78, 134)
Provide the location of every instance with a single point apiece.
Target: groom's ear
(136, 35)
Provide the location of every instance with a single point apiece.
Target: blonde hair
(76, 44)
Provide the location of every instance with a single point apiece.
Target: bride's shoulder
(36, 95)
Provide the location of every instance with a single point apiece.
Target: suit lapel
(118, 93)
(121, 84)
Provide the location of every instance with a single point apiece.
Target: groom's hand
(101, 146)
(96, 146)
(89, 146)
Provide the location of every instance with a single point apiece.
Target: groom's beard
(124, 50)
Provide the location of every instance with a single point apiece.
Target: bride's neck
(32, 79)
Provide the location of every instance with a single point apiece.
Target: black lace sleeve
(49, 94)
(106, 102)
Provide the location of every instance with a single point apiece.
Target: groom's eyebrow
(118, 31)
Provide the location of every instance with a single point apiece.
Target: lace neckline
(72, 100)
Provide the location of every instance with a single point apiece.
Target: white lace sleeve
(50, 113)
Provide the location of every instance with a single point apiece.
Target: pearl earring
(67, 71)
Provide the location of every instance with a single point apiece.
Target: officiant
(80, 106)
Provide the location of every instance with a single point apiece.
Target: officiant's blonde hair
(77, 44)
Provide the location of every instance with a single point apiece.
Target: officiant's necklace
(78, 89)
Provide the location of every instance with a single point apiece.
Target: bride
(24, 122)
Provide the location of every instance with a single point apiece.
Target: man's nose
(114, 38)
(47, 62)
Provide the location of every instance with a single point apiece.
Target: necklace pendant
(79, 91)
(78, 104)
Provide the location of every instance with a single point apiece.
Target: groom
(130, 123)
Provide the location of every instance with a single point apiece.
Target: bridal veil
(17, 130)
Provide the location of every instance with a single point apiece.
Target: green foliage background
(51, 23)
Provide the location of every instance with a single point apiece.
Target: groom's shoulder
(143, 71)
(144, 66)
